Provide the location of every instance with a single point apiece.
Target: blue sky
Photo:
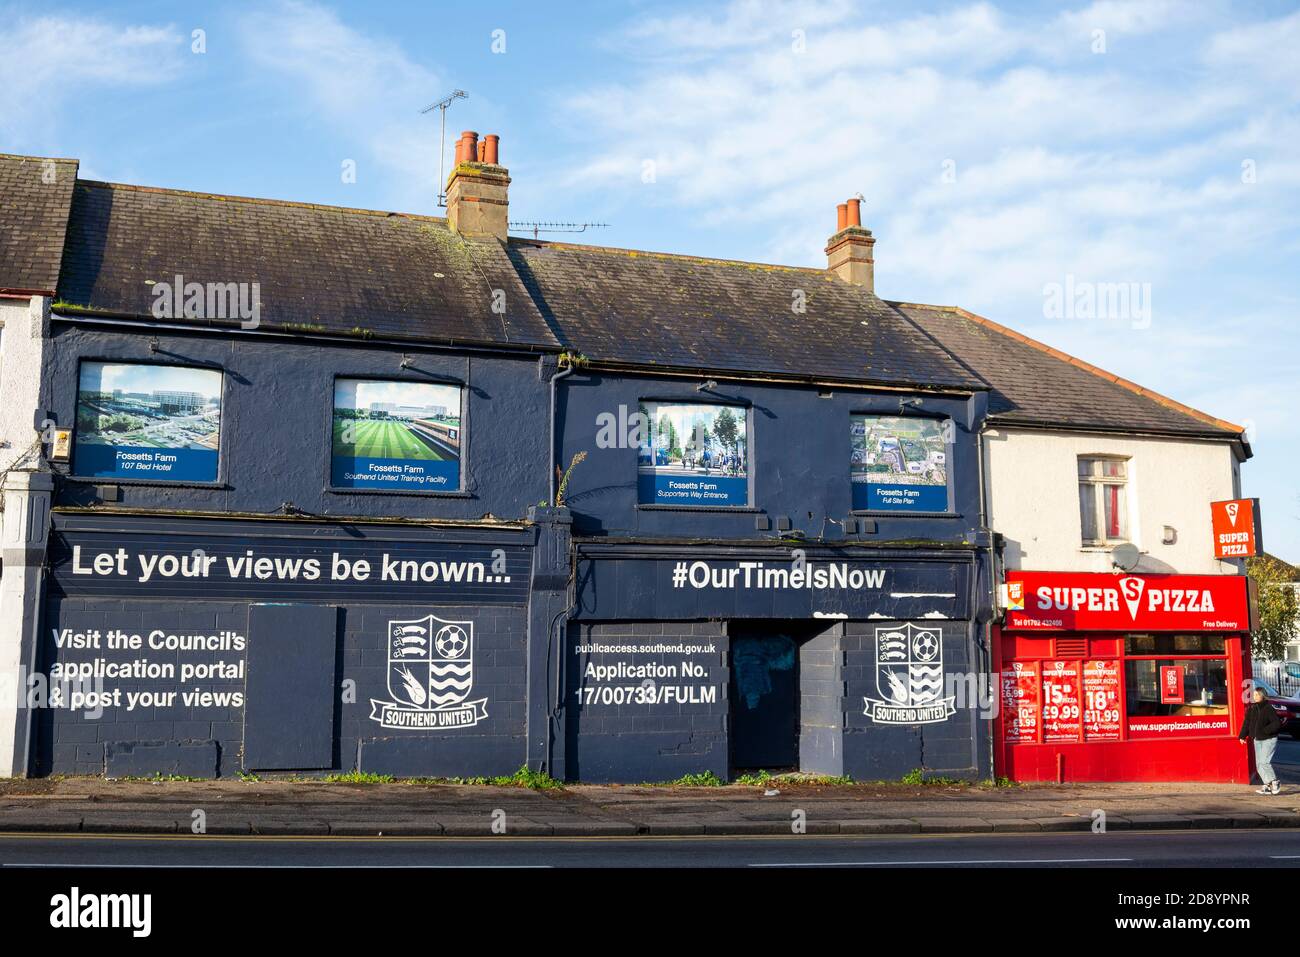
(1001, 148)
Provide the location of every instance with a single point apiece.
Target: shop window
(899, 463)
(1173, 687)
(1103, 499)
(1174, 644)
(155, 423)
(694, 455)
(396, 436)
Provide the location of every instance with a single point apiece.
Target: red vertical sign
(1062, 716)
(1235, 524)
(1020, 702)
(1101, 700)
(1171, 684)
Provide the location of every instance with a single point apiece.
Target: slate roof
(655, 309)
(319, 268)
(1033, 384)
(344, 271)
(35, 196)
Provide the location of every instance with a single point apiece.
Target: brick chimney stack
(848, 253)
(477, 203)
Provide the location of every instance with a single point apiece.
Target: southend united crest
(909, 676)
(430, 674)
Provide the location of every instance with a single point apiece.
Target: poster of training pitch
(899, 464)
(148, 422)
(694, 454)
(396, 435)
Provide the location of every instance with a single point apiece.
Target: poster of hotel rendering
(899, 464)
(148, 422)
(396, 435)
(694, 454)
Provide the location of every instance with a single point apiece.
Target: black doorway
(764, 697)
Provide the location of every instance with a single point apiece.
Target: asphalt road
(1199, 849)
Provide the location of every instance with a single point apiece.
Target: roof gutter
(14, 292)
(1237, 440)
(731, 375)
(120, 320)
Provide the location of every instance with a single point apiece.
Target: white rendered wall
(1031, 480)
(23, 342)
(24, 523)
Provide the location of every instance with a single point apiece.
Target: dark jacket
(1261, 722)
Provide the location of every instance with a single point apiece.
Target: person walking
(1261, 725)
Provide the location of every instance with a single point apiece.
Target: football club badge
(430, 674)
(909, 677)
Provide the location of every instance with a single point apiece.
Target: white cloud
(1267, 49)
(1091, 167)
(1122, 167)
(49, 59)
(362, 85)
(1128, 17)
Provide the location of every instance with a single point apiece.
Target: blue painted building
(333, 489)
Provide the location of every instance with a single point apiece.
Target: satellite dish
(1125, 556)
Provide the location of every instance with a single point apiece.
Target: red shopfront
(1123, 677)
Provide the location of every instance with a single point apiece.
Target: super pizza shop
(732, 659)
(210, 646)
(1123, 677)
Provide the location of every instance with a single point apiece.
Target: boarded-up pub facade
(429, 500)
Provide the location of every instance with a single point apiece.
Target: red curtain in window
(1112, 511)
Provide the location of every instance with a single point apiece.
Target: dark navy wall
(799, 456)
(651, 727)
(275, 442)
(495, 745)
(206, 740)
(955, 747)
(634, 729)
(180, 739)
(276, 422)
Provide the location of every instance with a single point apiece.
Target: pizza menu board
(1020, 702)
(1062, 716)
(1101, 700)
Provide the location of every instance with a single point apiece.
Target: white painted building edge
(24, 335)
(1032, 487)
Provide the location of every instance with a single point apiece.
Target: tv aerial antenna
(540, 227)
(441, 106)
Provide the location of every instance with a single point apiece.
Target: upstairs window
(899, 463)
(694, 455)
(396, 436)
(1103, 499)
(153, 423)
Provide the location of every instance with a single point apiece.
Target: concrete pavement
(93, 805)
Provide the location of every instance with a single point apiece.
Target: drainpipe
(559, 374)
(989, 664)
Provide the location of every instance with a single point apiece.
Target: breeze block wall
(137, 730)
(953, 747)
(493, 746)
(646, 729)
(142, 735)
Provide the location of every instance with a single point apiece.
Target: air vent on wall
(1071, 647)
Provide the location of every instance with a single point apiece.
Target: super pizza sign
(1050, 601)
(1235, 524)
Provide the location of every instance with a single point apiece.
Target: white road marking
(1042, 860)
(287, 867)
